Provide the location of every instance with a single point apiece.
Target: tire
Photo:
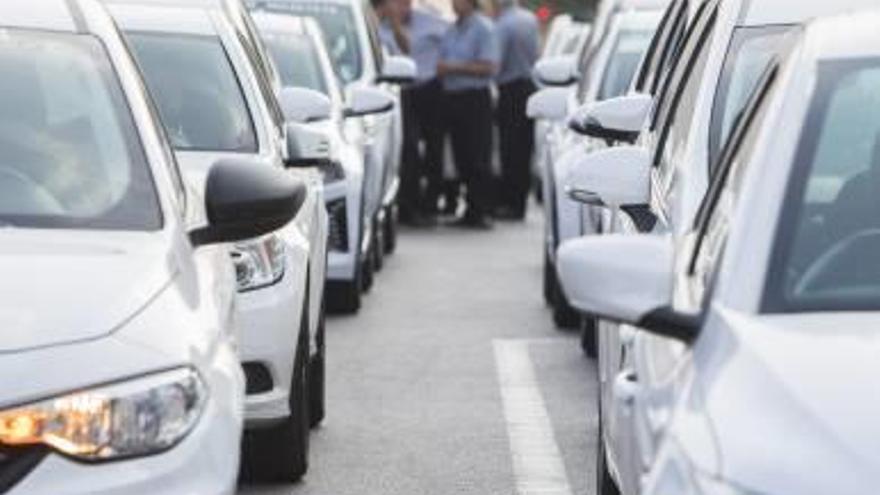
(379, 251)
(605, 484)
(368, 268)
(549, 280)
(317, 374)
(391, 224)
(280, 454)
(344, 296)
(589, 336)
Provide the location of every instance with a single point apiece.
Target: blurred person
(392, 33)
(469, 59)
(518, 46)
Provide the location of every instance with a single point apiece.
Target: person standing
(392, 33)
(518, 45)
(468, 63)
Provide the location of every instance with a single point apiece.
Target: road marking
(537, 462)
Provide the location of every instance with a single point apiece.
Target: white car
(350, 32)
(759, 342)
(216, 103)
(118, 291)
(604, 70)
(297, 48)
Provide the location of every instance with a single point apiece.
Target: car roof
(281, 3)
(639, 20)
(51, 15)
(272, 22)
(148, 15)
(846, 36)
(770, 12)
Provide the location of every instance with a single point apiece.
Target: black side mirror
(246, 200)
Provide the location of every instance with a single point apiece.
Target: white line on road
(537, 462)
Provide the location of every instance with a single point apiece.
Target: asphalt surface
(414, 389)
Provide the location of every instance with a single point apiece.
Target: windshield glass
(624, 60)
(197, 92)
(829, 240)
(297, 60)
(750, 52)
(69, 152)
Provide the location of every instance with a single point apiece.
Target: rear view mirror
(611, 177)
(306, 146)
(305, 105)
(617, 119)
(556, 71)
(398, 70)
(245, 200)
(365, 100)
(548, 104)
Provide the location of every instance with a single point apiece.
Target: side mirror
(245, 200)
(611, 177)
(305, 105)
(625, 278)
(368, 101)
(556, 71)
(616, 119)
(306, 146)
(548, 104)
(398, 70)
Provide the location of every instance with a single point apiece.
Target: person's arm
(400, 35)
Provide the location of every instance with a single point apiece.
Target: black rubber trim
(18, 462)
(669, 323)
(642, 216)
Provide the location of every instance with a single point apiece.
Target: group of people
(459, 64)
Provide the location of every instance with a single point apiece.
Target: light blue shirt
(471, 39)
(518, 44)
(425, 31)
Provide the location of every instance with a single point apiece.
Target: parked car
(297, 48)
(208, 90)
(605, 69)
(755, 315)
(350, 31)
(118, 291)
(670, 167)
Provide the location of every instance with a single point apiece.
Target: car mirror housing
(305, 105)
(368, 101)
(555, 71)
(244, 200)
(398, 70)
(615, 120)
(548, 104)
(614, 177)
(306, 146)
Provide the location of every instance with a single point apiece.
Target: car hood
(794, 405)
(61, 287)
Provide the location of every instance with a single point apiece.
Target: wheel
(549, 280)
(564, 316)
(605, 484)
(379, 250)
(368, 268)
(281, 453)
(344, 296)
(317, 370)
(589, 335)
(392, 221)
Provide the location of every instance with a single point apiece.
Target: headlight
(332, 172)
(259, 263)
(134, 418)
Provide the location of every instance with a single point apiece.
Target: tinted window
(297, 60)
(624, 60)
(197, 91)
(69, 152)
(829, 241)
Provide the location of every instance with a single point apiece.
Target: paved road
(452, 380)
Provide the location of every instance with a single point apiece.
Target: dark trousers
(423, 142)
(516, 136)
(469, 120)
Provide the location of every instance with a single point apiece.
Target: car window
(750, 51)
(668, 40)
(297, 60)
(828, 245)
(70, 155)
(197, 91)
(628, 50)
(375, 42)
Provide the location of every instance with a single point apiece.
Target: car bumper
(341, 263)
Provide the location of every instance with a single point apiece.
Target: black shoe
(475, 222)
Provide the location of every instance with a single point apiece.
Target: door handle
(626, 387)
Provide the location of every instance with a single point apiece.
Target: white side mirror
(306, 146)
(556, 71)
(548, 104)
(614, 119)
(304, 105)
(398, 70)
(620, 277)
(612, 176)
(364, 100)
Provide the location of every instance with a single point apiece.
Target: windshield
(340, 34)
(297, 60)
(197, 92)
(829, 239)
(69, 152)
(624, 60)
(750, 52)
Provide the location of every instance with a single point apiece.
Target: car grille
(337, 230)
(16, 463)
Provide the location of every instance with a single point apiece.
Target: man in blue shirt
(468, 64)
(518, 43)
